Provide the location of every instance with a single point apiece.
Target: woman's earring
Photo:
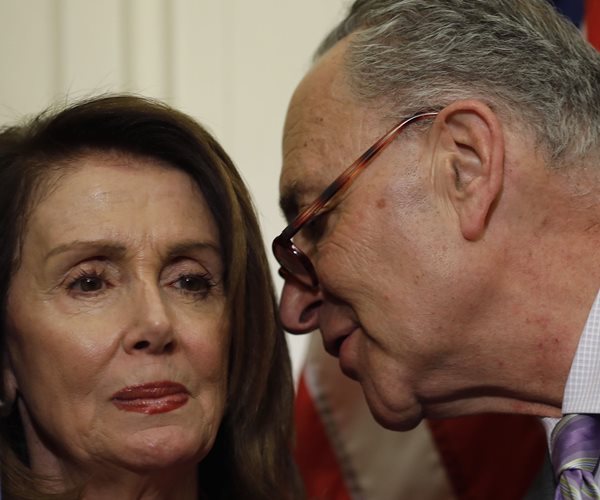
(6, 407)
(3, 406)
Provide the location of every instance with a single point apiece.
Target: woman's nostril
(142, 344)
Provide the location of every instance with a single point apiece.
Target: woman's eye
(87, 284)
(194, 283)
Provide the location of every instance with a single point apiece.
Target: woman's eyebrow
(187, 247)
(116, 250)
(105, 247)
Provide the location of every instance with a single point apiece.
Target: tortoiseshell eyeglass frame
(294, 263)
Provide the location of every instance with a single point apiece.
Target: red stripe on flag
(592, 22)
(481, 451)
(314, 455)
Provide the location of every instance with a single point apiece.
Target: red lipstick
(151, 398)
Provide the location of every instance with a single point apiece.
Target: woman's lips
(151, 398)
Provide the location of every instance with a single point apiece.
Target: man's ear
(469, 162)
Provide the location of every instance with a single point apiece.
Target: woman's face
(117, 336)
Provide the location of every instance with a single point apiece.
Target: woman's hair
(521, 57)
(251, 456)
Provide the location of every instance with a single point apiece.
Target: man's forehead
(325, 82)
(315, 113)
(326, 128)
(306, 166)
(310, 161)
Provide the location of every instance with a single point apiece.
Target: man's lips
(152, 397)
(334, 347)
(348, 356)
(343, 346)
(333, 342)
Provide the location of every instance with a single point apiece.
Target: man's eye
(87, 284)
(314, 230)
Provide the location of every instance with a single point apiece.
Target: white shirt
(582, 392)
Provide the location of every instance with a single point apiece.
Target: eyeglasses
(294, 263)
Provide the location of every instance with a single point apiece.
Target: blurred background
(231, 64)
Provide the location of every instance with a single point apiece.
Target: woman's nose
(151, 329)
(299, 307)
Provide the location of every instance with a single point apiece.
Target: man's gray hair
(519, 56)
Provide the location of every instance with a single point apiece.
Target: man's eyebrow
(288, 202)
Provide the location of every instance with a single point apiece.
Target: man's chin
(400, 421)
(349, 372)
(393, 424)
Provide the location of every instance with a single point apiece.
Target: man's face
(391, 302)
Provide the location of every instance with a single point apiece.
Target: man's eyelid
(322, 210)
(294, 202)
(312, 231)
(329, 206)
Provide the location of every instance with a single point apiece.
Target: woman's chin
(161, 450)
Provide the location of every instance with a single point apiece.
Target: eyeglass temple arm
(339, 184)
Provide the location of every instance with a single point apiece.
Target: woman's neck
(178, 484)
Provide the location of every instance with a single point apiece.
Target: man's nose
(151, 328)
(299, 307)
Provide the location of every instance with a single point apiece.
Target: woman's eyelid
(193, 285)
(87, 283)
(197, 283)
(186, 266)
(114, 273)
(94, 267)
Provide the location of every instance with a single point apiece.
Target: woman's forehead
(116, 194)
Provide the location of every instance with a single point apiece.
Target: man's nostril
(307, 313)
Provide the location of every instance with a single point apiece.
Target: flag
(343, 454)
(585, 14)
(592, 22)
